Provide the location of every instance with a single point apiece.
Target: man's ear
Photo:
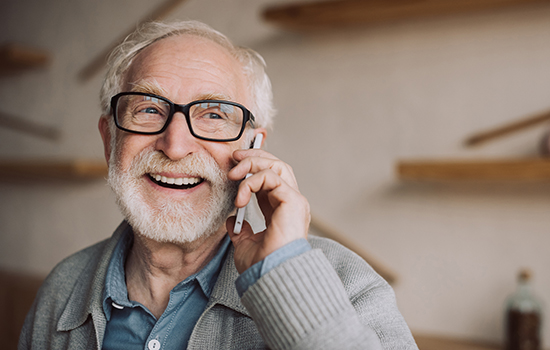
(261, 131)
(105, 132)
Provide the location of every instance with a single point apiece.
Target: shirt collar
(115, 280)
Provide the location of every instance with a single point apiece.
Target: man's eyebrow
(149, 87)
(152, 87)
(213, 96)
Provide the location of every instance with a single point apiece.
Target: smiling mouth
(180, 183)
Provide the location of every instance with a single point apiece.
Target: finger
(244, 159)
(276, 189)
(252, 165)
(285, 210)
(246, 230)
(244, 153)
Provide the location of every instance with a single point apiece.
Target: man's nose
(177, 142)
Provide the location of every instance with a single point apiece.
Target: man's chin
(180, 227)
(178, 222)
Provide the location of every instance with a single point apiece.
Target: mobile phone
(241, 211)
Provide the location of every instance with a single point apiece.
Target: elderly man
(181, 107)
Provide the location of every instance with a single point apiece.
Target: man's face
(149, 173)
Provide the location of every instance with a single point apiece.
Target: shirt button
(115, 305)
(154, 345)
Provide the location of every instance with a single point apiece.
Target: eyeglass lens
(214, 120)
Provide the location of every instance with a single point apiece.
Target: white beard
(169, 220)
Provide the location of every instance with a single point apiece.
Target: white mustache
(195, 165)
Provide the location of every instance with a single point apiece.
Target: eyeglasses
(211, 120)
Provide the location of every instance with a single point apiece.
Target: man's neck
(153, 268)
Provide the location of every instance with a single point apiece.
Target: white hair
(253, 64)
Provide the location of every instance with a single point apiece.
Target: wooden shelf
(15, 58)
(341, 13)
(52, 170)
(535, 169)
(426, 342)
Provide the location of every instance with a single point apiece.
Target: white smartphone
(241, 211)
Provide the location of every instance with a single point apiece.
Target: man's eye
(212, 116)
(149, 110)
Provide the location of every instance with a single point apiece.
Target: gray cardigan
(327, 298)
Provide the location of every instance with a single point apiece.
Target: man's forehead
(151, 67)
(186, 49)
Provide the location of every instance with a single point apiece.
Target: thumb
(246, 230)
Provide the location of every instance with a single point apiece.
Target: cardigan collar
(225, 292)
(86, 298)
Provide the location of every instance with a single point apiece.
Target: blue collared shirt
(130, 323)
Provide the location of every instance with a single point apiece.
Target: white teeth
(176, 181)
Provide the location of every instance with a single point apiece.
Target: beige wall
(351, 103)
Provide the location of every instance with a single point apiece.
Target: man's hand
(286, 211)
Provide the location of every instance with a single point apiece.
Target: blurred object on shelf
(523, 317)
(544, 146)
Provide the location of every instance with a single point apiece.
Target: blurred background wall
(351, 103)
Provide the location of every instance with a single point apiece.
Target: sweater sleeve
(253, 273)
(312, 302)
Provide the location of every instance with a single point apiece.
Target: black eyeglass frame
(184, 109)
